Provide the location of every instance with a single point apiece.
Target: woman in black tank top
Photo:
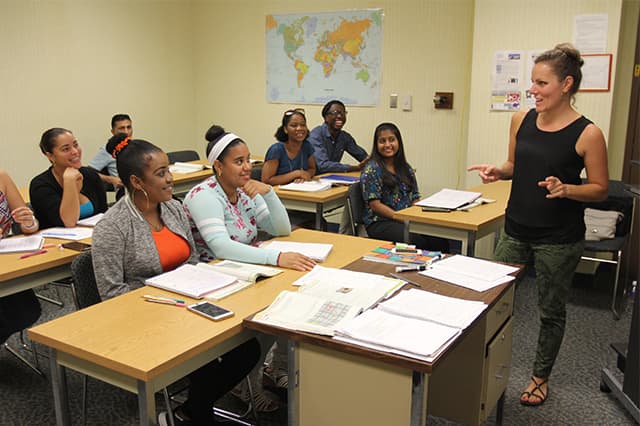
(544, 226)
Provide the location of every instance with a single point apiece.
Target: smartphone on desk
(77, 246)
(210, 310)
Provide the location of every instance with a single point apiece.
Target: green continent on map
(347, 40)
(293, 35)
(302, 69)
(362, 75)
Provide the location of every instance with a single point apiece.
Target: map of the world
(313, 58)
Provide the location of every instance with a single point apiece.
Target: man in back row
(120, 123)
(330, 141)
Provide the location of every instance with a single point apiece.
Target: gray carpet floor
(575, 398)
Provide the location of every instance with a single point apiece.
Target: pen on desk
(165, 302)
(33, 253)
(59, 234)
(400, 277)
(48, 245)
(411, 268)
(166, 299)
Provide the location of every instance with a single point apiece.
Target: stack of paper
(184, 168)
(449, 199)
(469, 272)
(91, 221)
(327, 299)
(395, 323)
(20, 244)
(75, 234)
(307, 186)
(316, 251)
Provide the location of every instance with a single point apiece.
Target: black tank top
(530, 215)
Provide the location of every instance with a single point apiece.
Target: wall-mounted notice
(590, 33)
(596, 73)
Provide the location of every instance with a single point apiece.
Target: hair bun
(214, 133)
(115, 144)
(571, 52)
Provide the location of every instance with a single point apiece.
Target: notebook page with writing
(191, 281)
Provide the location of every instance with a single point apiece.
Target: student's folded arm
(107, 253)
(45, 201)
(271, 215)
(207, 213)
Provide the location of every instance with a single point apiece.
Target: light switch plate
(393, 100)
(407, 102)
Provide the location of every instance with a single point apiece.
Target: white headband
(220, 146)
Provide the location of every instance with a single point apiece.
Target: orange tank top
(172, 249)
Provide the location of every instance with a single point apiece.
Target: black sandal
(542, 396)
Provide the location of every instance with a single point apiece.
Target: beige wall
(180, 65)
(426, 48)
(540, 25)
(74, 64)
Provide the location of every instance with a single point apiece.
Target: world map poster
(313, 58)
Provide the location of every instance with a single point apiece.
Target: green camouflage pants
(554, 265)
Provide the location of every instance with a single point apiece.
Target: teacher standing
(549, 146)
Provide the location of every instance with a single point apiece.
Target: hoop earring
(146, 196)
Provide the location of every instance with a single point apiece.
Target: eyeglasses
(337, 112)
(293, 111)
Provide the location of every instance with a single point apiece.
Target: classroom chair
(182, 156)
(355, 206)
(611, 250)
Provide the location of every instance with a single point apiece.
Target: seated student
(144, 234)
(330, 141)
(227, 210)
(388, 185)
(120, 123)
(66, 191)
(291, 158)
(19, 310)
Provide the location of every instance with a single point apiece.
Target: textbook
(448, 199)
(316, 251)
(21, 244)
(340, 179)
(389, 254)
(307, 186)
(394, 323)
(327, 298)
(242, 271)
(191, 280)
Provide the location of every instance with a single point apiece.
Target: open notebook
(191, 280)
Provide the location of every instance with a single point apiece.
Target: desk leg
(406, 231)
(59, 384)
(319, 217)
(418, 399)
(471, 244)
(292, 386)
(146, 404)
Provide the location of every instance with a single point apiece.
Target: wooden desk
(143, 347)
(316, 202)
(21, 274)
(183, 182)
(465, 226)
(343, 384)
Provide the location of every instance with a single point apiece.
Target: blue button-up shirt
(328, 153)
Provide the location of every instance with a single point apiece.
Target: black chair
(355, 206)
(182, 156)
(19, 311)
(611, 250)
